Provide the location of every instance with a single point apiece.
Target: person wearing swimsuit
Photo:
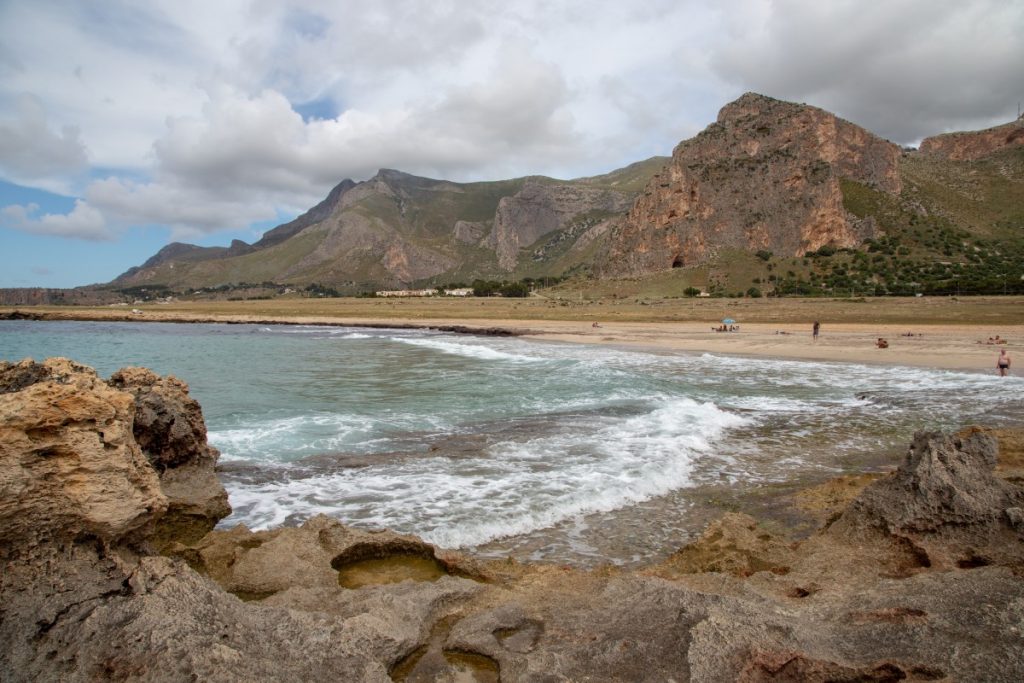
(1003, 363)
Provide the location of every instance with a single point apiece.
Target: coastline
(113, 570)
(942, 346)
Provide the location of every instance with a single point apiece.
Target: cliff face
(764, 176)
(970, 146)
(541, 208)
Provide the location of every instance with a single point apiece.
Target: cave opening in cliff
(677, 262)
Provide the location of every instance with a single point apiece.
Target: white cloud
(245, 157)
(188, 107)
(904, 70)
(30, 150)
(84, 222)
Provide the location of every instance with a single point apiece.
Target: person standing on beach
(1003, 363)
(816, 327)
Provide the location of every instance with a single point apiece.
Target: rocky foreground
(111, 570)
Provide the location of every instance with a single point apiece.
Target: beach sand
(934, 346)
(937, 345)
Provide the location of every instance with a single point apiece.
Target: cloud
(245, 157)
(84, 222)
(904, 70)
(30, 150)
(208, 117)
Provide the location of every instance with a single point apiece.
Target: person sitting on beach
(881, 343)
(1003, 363)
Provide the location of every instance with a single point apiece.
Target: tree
(691, 291)
(515, 289)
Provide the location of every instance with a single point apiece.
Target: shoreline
(109, 544)
(957, 347)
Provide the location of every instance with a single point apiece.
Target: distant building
(462, 291)
(406, 292)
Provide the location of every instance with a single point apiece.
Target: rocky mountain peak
(765, 175)
(318, 213)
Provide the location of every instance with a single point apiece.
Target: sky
(126, 125)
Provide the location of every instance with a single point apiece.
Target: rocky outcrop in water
(919, 578)
(765, 176)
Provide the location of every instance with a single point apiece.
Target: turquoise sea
(559, 452)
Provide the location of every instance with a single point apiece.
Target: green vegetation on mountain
(957, 228)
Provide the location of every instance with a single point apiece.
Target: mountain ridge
(767, 177)
(397, 228)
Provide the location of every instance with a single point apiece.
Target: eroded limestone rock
(169, 427)
(945, 501)
(69, 464)
(918, 579)
(736, 544)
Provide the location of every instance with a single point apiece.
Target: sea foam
(516, 487)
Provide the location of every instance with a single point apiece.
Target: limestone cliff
(765, 175)
(973, 145)
(543, 207)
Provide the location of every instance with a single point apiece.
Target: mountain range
(769, 182)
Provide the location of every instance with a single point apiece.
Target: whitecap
(477, 351)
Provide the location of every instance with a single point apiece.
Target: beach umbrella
(728, 321)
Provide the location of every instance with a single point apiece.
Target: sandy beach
(917, 342)
(936, 346)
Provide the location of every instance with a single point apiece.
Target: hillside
(772, 198)
(765, 176)
(786, 199)
(397, 230)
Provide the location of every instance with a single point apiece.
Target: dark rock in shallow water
(19, 315)
(918, 579)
